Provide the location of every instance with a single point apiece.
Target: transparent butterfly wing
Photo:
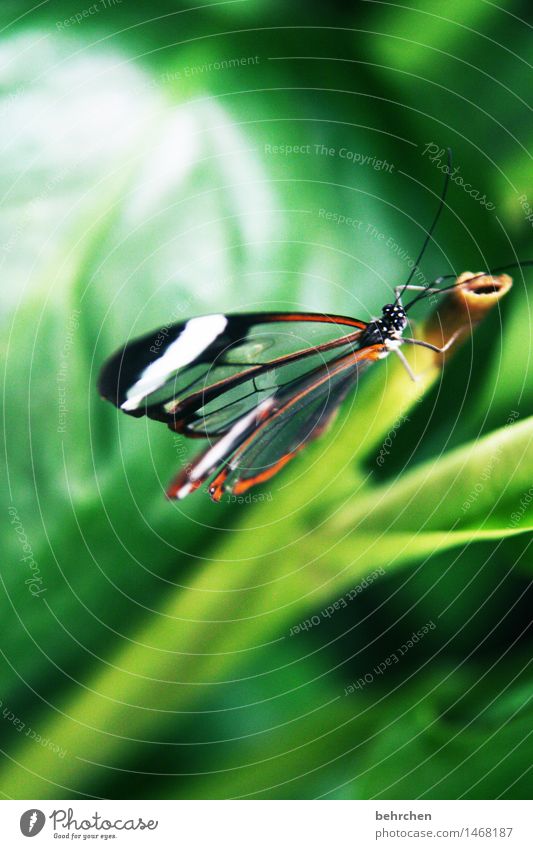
(263, 441)
(202, 376)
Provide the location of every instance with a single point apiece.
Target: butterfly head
(387, 329)
(394, 318)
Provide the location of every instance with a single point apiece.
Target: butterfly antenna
(432, 228)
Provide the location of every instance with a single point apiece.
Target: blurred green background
(146, 646)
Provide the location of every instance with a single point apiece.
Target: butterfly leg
(407, 367)
(431, 347)
(398, 290)
(435, 348)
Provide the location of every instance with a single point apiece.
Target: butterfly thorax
(386, 330)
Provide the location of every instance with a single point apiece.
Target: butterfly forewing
(203, 375)
(219, 414)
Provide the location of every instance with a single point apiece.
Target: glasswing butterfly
(258, 386)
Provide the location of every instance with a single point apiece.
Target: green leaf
(479, 491)
(385, 534)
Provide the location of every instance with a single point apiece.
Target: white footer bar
(267, 824)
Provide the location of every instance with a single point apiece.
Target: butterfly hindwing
(270, 435)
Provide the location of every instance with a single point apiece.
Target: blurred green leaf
(474, 492)
(139, 187)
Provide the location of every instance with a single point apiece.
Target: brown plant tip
(472, 297)
(476, 294)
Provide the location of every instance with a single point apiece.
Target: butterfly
(258, 386)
